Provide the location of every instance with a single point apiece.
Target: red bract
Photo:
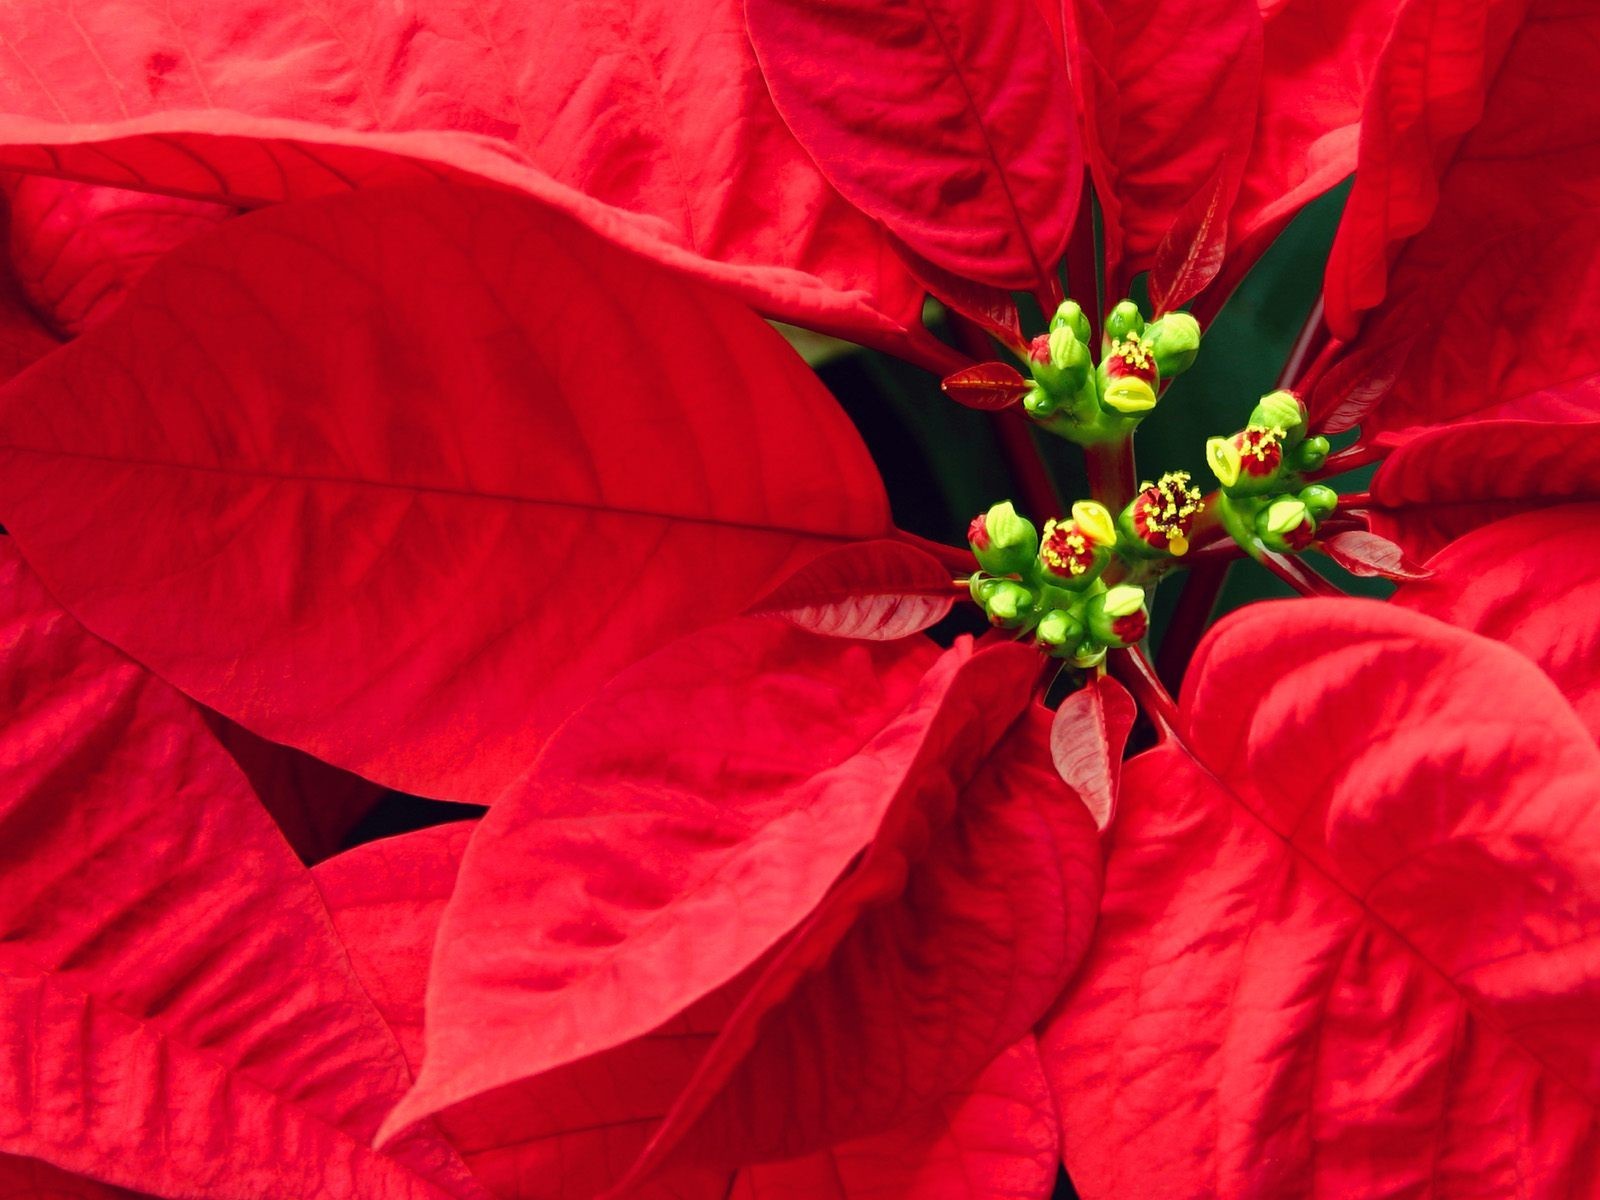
(1350, 946)
(442, 519)
(866, 868)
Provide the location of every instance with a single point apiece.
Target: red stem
(1193, 613)
(1313, 337)
(1349, 459)
(1111, 473)
(1356, 500)
(1298, 575)
(1021, 453)
(1134, 671)
(1082, 269)
(1313, 373)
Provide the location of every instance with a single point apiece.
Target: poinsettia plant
(392, 414)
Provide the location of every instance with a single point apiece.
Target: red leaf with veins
(77, 249)
(1532, 582)
(878, 590)
(1352, 947)
(988, 386)
(439, 524)
(1367, 554)
(1087, 737)
(169, 979)
(961, 839)
(1318, 59)
(993, 196)
(1468, 330)
(1449, 481)
(1144, 72)
(650, 106)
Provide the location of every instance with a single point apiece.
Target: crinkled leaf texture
(878, 590)
(770, 893)
(1466, 330)
(1362, 552)
(650, 116)
(947, 120)
(177, 1013)
(1142, 72)
(1087, 736)
(1533, 582)
(436, 520)
(1449, 481)
(1351, 947)
(77, 249)
(993, 1139)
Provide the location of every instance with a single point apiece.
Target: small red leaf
(1371, 555)
(878, 590)
(1086, 742)
(990, 386)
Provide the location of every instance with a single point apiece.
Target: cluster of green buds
(1265, 501)
(1089, 403)
(1050, 587)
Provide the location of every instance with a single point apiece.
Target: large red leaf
(77, 249)
(1532, 582)
(177, 1013)
(1318, 61)
(1352, 947)
(1143, 72)
(947, 120)
(1449, 481)
(995, 1138)
(1465, 331)
(1429, 88)
(436, 520)
(879, 590)
(749, 893)
(655, 109)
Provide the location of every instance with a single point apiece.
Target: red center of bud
(1131, 627)
(1039, 348)
(1260, 450)
(1066, 551)
(1130, 356)
(1300, 536)
(1166, 510)
(978, 532)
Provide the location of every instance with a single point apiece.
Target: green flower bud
(1039, 404)
(1175, 340)
(1074, 553)
(1250, 462)
(1008, 604)
(1312, 453)
(1088, 655)
(1059, 630)
(1124, 320)
(1281, 410)
(1069, 355)
(1070, 315)
(1117, 616)
(1003, 541)
(1286, 525)
(1320, 499)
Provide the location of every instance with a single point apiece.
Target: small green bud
(1069, 355)
(1286, 524)
(1175, 339)
(1040, 404)
(1320, 499)
(1070, 315)
(1088, 655)
(1003, 540)
(1313, 452)
(1059, 628)
(1008, 604)
(981, 587)
(1117, 616)
(1124, 320)
(1282, 410)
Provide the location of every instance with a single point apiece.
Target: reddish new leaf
(77, 249)
(1370, 555)
(1352, 947)
(992, 308)
(1532, 582)
(988, 386)
(861, 84)
(1449, 481)
(1169, 92)
(1428, 90)
(437, 522)
(1087, 738)
(654, 108)
(177, 1013)
(879, 590)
